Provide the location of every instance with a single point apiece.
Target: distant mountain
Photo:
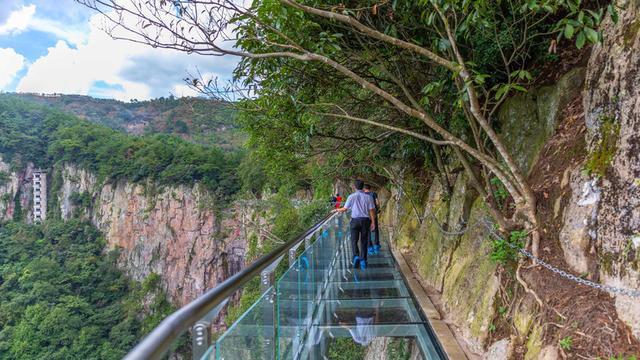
(195, 119)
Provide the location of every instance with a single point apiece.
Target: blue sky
(57, 46)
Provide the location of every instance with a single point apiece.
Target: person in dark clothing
(362, 221)
(374, 245)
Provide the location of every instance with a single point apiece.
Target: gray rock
(499, 350)
(613, 95)
(579, 220)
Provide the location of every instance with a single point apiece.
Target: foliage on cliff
(33, 133)
(62, 297)
(288, 222)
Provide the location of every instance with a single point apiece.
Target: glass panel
(252, 336)
(324, 308)
(379, 311)
(383, 342)
(368, 290)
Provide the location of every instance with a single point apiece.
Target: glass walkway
(323, 308)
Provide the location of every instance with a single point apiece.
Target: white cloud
(135, 70)
(12, 63)
(25, 19)
(18, 20)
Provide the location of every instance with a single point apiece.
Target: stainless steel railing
(156, 343)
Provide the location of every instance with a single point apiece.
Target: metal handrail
(157, 342)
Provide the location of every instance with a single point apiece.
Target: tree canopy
(61, 297)
(34, 133)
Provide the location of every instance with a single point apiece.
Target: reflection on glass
(322, 308)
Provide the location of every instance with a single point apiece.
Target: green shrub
(505, 250)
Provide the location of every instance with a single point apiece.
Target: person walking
(338, 201)
(362, 209)
(374, 245)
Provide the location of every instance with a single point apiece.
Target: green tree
(433, 70)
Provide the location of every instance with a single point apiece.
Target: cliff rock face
(441, 234)
(16, 192)
(171, 231)
(456, 265)
(612, 106)
(528, 120)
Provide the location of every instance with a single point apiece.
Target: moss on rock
(432, 244)
(602, 155)
(534, 343)
(528, 120)
(470, 285)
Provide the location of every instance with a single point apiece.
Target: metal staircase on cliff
(319, 308)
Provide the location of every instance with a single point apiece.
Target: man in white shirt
(363, 219)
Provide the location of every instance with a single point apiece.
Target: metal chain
(487, 223)
(562, 273)
(460, 231)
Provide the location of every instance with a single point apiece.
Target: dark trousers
(376, 236)
(359, 236)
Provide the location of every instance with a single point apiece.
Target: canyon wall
(173, 231)
(16, 192)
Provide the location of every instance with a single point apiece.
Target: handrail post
(200, 340)
(292, 256)
(267, 283)
(276, 318)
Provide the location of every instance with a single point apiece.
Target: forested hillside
(195, 119)
(65, 293)
(62, 297)
(34, 133)
(135, 223)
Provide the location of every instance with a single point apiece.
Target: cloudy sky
(57, 46)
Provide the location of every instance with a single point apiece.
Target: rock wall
(457, 266)
(174, 232)
(16, 189)
(424, 223)
(171, 231)
(528, 120)
(612, 109)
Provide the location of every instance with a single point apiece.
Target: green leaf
(568, 31)
(519, 88)
(502, 91)
(592, 35)
(580, 40)
(613, 13)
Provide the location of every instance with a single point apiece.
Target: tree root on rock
(532, 292)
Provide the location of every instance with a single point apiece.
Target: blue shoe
(371, 250)
(376, 248)
(356, 262)
(363, 264)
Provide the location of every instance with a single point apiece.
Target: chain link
(562, 273)
(487, 223)
(460, 231)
